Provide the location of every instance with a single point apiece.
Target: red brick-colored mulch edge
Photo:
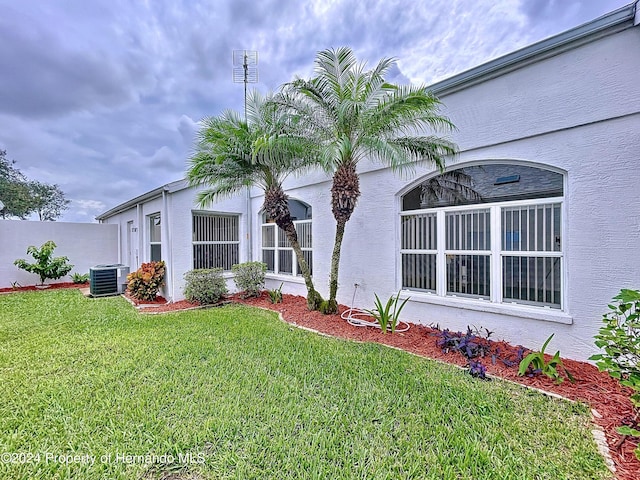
(51, 286)
(596, 388)
(157, 302)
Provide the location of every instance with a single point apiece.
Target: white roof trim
(150, 195)
(607, 24)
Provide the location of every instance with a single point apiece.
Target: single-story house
(544, 234)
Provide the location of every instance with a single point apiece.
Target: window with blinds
(490, 232)
(468, 252)
(155, 238)
(277, 252)
(531, 254)
(418, 251)
(216, 241)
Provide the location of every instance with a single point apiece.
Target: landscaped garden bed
(103, 331)
(53, 286)
(609, 401)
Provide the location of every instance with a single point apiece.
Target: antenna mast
(245, 70)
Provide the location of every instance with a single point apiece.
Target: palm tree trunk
(331, 305)
(345, 192)
(314, 299)
(277, 207)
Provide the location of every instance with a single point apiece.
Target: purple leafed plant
(478, 370)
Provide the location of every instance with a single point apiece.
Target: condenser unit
(107, 279)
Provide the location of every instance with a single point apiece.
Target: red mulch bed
(52, 286)
(155, 304)
(596, 388)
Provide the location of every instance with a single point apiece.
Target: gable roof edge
(145, 197)
(608, 24)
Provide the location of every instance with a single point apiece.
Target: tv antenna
(245, 70)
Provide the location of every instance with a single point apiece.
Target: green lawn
(235, 393)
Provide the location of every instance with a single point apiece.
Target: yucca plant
(387, 315)
(275, 295)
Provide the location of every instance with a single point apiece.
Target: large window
(216, 240)
(490, 232)
(276, 249)
(155, 238)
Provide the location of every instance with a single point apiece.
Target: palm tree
(232, 154)
(354, 114)
(455, 187)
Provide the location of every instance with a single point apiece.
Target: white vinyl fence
(86, 245)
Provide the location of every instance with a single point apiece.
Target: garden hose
(359, 317)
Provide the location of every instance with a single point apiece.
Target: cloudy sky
(103, 97)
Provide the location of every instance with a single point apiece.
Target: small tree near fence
(45, 266)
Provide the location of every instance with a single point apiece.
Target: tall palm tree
(353, 114)
(232, 154)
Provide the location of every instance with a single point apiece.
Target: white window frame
(150, 220)
(278, 235)
(496, 253)
(194, 235)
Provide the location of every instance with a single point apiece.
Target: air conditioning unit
(108, 279)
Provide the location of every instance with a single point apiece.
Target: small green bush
(205, 286)
(145, 282)
(249, 277)
(387, 315)
(80, 277)
(45, 266)
(619, 338)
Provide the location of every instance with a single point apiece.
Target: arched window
(276, 249)
(490, 231)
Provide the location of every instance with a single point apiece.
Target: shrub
(478, 370)
(80, 277)
(619, 337)
(474, 346)
(205, 286)
(145, 282)
(249, 277)
(45, 266)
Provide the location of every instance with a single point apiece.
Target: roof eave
(608, 24)
(150, 195)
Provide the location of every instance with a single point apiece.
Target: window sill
(284, 278)
(544, 314)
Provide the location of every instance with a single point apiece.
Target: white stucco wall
(85, 244)
(175, 207)
(577, 112)
(182, 204)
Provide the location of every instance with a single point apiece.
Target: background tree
(14, 191)
(232, 154)
(47, 200)
(22, 197)
(353, 114)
